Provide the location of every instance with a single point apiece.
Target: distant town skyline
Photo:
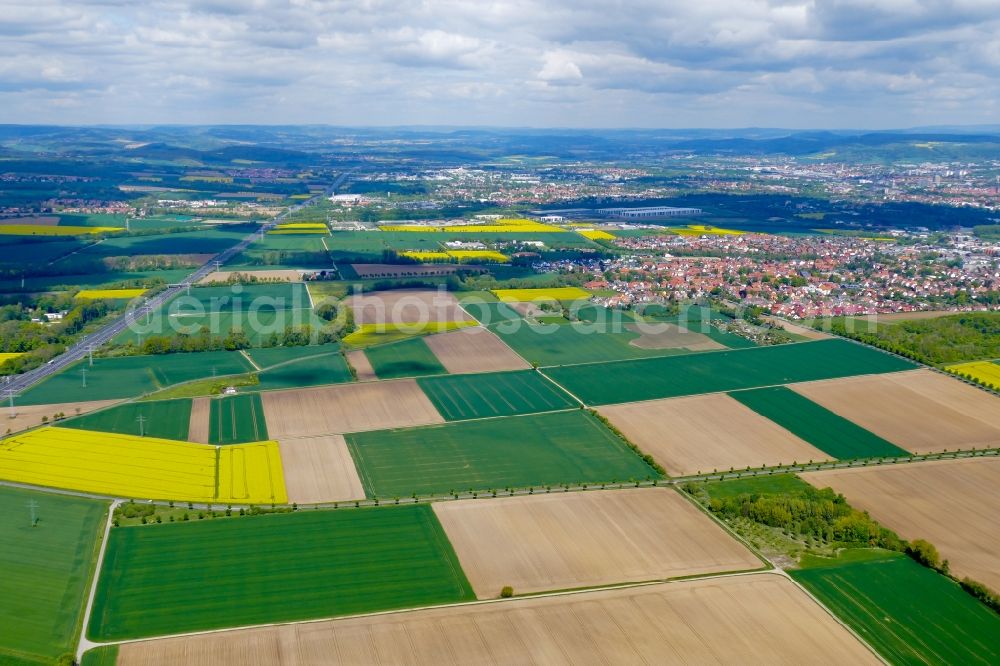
(819, 64)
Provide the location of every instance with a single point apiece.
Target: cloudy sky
(541, 63)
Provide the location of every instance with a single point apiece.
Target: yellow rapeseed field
(984, 371)
(144, 467)
(550, 294)
(41, 230)
(596, 234)
(479, 255)
(109, 293)
(704, 230)
(6, 356)
(370, 334)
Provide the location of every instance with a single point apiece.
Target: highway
(81, 348)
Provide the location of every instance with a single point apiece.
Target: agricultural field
(459, 397)
(665, 377)
(404, 560)
(319, 469)
(551, 344)
(702, 433)
(46, 572)
(310, 369)
(164, 419)
(987, 372)
(109, 293)
(547, 294)
(131, 376)
(832, 434)
(198, 424)
(491, 312)
(953, 504)
(405, 306)
(24, 417)
(236, 419)
(42, 230)
(225, 276)
(406, 358)
(521, 451)
(918, 411)
(143, 467)
(474, 349)
(347, 408)
(759, 618)
(368, 335)
(907, 612)
(570, 540)
(363, 370)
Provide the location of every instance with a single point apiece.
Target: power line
(142, 422)
(32, 509)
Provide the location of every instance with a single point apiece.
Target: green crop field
(554, 448)
(106, 655)
(44, 572)
(490, 312)
(200, 241)
(182, 577)
(257, 324)
(909, 613)
(168, 419)
(130, 376)
(776, 484)
(328, 367)
(236, 419)
(690, 374)
(407, 358)
(571, 343)
(827, 431)
(460, 397)
(245, 298)
(267, 357)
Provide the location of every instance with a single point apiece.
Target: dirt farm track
(759, 618)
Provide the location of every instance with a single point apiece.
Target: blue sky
(557, 63)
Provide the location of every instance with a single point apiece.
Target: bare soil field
(761, 619)
(527, 309)
(706, 432)
(223, 276)
(31, 416)
(345, 408)
(362, 366)
(35, 220)
(920, 411)
(804, 331)
(405, 306)
(198, 428)
(954, 504)
(474, 349)
(670, 336)
(408, 270)
(319, 469)
(584, 539)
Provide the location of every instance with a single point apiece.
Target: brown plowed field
(954, 504)
(282, 274)
(474, 349)
(670, 336)
(586, 539)
(362, 366)
(198, 428)
(756, 619)
(405, 306)
(705, 432)
(329, 410)
(31, 416)
(920, 411)
(319, 469)
(797, 329)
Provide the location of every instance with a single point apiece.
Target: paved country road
(20, 383)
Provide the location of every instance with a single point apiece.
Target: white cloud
(796, 63)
